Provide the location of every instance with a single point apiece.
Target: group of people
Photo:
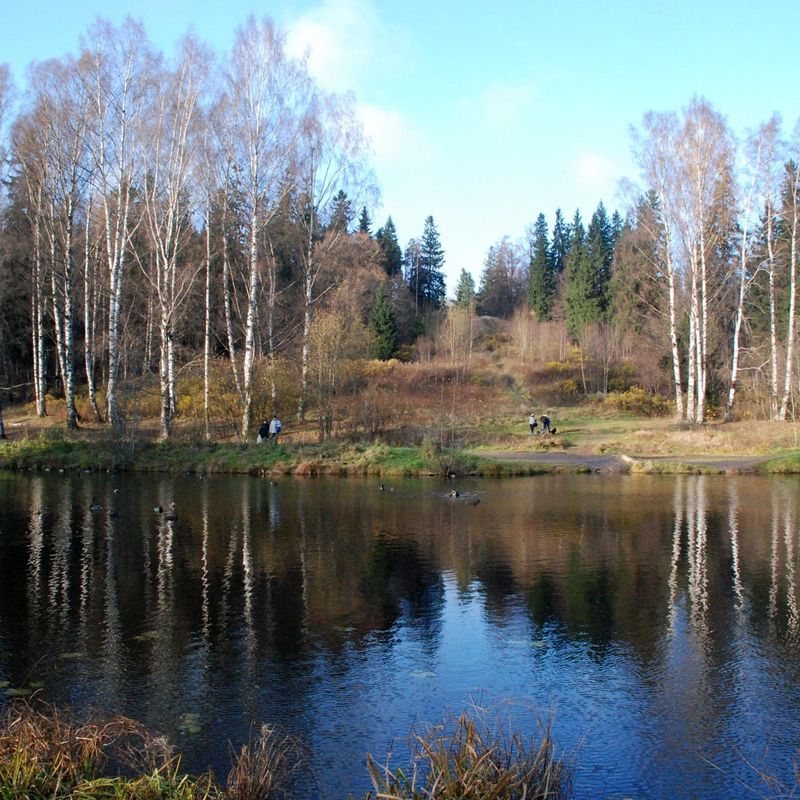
(269, 430)
(544, 419)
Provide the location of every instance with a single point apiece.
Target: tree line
(701, 271)
(206, 214)
(170, 211)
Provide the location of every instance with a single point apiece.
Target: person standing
(275, 427)
(545, 423)
(532, 422)
(263, 432)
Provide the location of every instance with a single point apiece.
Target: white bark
(116, 67)
(758, 149)
(794, 229)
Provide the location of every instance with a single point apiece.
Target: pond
(657, 619)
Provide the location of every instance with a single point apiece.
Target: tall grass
(469, 759)
(46, 755)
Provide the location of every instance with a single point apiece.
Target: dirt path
(622, 463)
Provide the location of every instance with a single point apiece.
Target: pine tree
(559, 247)
(424, 272)
(542, 276)
(465, 290)
(386, 237)
(365, 222)
(383, 324)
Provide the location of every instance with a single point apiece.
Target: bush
(637, 400)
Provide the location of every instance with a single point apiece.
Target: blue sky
(484, 114)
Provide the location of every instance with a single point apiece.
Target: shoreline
(47, 453)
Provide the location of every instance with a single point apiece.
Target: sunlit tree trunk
(89, 314)
(794, 229)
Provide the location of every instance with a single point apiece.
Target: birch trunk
(790, 333)
(89, 316)
(207, 326)
(37, 320)
(673, 337)
(307, 295)
(249, 340)
(226, 298)
(773, 325)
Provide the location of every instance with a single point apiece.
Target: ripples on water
(656, 618)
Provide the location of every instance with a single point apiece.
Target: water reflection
(657, 617)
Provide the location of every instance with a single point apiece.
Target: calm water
(656, 618)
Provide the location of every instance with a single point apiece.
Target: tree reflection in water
(658, 616)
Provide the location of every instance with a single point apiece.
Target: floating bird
(158, 509)
(95, 506)
(455, 493)
(171, 516)
(114, 514)
(116, 491)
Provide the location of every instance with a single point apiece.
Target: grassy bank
(46, 755)
(54, 451)
(484, 442)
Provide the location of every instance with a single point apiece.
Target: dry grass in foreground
(46, 755)
(469, 760)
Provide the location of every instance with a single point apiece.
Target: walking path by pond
(624, 463)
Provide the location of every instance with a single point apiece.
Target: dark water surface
(657, 618)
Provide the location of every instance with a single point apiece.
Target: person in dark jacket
(263, 432)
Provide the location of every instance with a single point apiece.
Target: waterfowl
(158, 509)
(455, 493)
(171, 516)
(95, 506)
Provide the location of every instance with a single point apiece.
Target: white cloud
(500, 105)
(338, 38)
(392, 137)
(594, 170)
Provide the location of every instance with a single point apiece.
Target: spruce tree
(383, 324)
(365, 222)
(341, 212)
(386, 237)
(600, 247)
(579, 306)
(542, 277)
(559, 247)
(425, 273)
(465, 290)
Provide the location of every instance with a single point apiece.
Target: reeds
(470, 760)
(265, 768)
(46, 755)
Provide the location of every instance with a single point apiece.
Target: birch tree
(25, 148)
(771, 196)
(791, 221)
(655, 151)
(262, 106)
(61, 112)
(168, 160)
(330, 160)
(757, 149)
(118, 64)
(704, 164)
